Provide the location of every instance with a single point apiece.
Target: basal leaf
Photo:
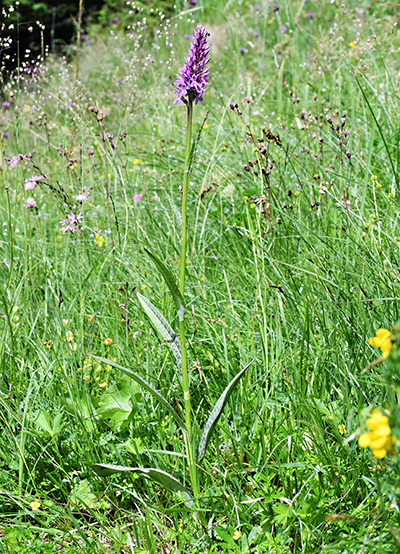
(158, 475)
(216, 413)
(146, 386)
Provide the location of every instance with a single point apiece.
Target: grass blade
(216, 413)
(158, 475)
(146, 386)
(148, 533)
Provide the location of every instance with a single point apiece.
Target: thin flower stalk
(190, 86)
(185, 374)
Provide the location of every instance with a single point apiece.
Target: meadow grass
(292, 264)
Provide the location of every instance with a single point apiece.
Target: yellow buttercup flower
(107, 342)
(379, 437)
(236, 535)
(382, 341)
(35, 505)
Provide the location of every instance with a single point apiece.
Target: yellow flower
(382, 341)
(35, 505)
(136, 161)
(236, 535)
(99, 240)
(70, 336)
(107, 342)
(206, 126)
(379, 437)
(351, 44)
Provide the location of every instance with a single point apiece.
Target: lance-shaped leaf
(146, 386)
(216, 412)
(176, 210)
(162, 477)
(163, 327)
(171, 283)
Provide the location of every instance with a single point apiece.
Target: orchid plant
(190, 86)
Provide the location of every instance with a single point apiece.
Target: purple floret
(192, 81)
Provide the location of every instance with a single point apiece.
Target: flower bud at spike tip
(192, 80)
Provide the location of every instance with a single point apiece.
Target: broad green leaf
(163, 327)
(162, 477)
(116, 405)
(43, 421)
(146, 386)
(135, 445)
(171, 283)
(282, 512)
(216, 412)
(82, 494)
(49, 429)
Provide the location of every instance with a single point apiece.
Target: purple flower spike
(192, 81)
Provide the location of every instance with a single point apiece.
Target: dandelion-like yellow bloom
(379, 437)
(107, 342)
(236, 535)
(35, 505)
(136, 161)
(382, 341)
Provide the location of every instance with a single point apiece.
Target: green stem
(184, 196)
(185, 374)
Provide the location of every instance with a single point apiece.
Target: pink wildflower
(31, 203)
(71, 222)
(16, 159)
(138, 196)
(31, 181)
